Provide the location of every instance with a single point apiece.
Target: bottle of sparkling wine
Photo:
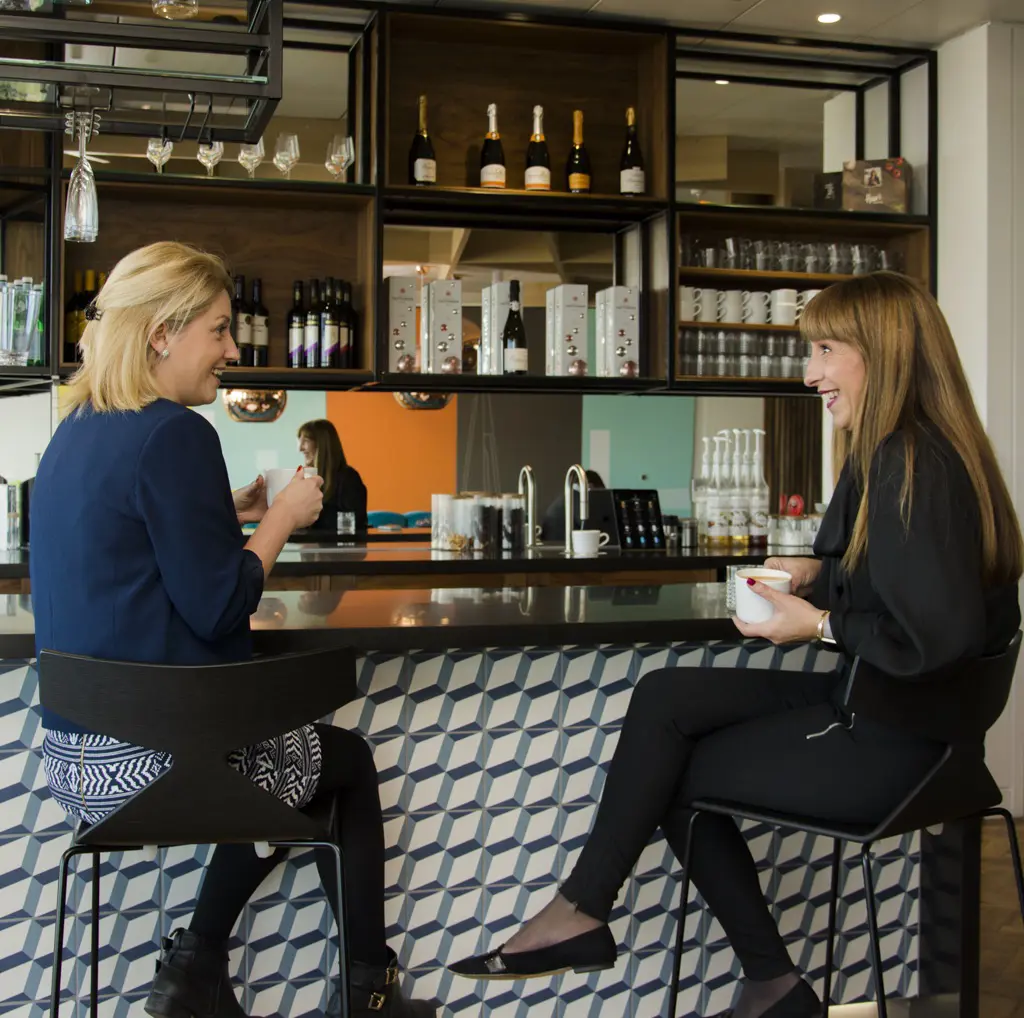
(632, 179)
(513, 338)
(422, 163)
(538, 159)
(492, 155)
(577, 169)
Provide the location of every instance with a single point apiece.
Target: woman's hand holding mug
(803, 570)
(303, 498)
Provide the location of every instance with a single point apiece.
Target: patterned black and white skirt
(90, 775)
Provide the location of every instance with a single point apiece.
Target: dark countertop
(417, 559)
(471, 618)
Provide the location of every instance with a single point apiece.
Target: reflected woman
(344, 491)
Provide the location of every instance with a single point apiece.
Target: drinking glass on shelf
(209, 155)
(158, 152)
(286, 153)
(81, 216)
(250, 156)
(340, 155)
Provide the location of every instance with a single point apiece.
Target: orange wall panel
(403, 456)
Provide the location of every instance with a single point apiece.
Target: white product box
(441, 327)
(618, 331)
(565, 330)
(493, 315)
(401, 323)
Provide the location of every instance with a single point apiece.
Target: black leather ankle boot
(192, 980)
(374, 993)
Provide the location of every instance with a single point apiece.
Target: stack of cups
(440, 522)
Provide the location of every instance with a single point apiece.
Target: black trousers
(235, 871)
(764, 738)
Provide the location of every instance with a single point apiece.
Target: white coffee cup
(707, 307)
(587, 542)
(751, 607)
(803, 299)
(730, 306)
(783, 307)
(689, 303)
(755, 306)
(278, 478)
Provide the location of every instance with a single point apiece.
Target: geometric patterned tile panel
(491, 766)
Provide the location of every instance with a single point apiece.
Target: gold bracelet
(819, 633)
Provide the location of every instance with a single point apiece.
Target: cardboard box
(618, 332)
(441, 327)
(565, 328)
(494, 301)
(402, 323)
(866, 185)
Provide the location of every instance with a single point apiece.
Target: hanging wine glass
(286, 153)
(340, 155)
(209, 155)
(250, 156)
(81, 216)
(158, 152)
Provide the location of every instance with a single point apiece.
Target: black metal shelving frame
(781, 61)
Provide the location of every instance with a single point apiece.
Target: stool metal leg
(94, 963)
(1011, 833)
(684, 897)
(58, 932)
(876, 951)
(833, 901)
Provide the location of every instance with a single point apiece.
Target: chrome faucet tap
(575, 474)
(528, 487)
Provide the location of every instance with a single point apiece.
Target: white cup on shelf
(689, 303)
(730, 306)
(755, 306)
(588, 542)
(707, 307)
(783, 307)
(805, 297)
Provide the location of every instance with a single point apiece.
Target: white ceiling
(907, 22)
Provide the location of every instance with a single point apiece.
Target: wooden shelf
(394, 382)
(296, 378)
(752, 276)
(728, 385)
(740, 326)
(780, 219)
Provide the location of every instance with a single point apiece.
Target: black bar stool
(198, 715)
(958, 787)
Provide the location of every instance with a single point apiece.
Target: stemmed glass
(158, 152)
(286, 153)
(209, 155)
(340, 155)
(82, 217)
(250, 156)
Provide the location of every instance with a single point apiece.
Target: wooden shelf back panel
(277, 245)
(470, 64)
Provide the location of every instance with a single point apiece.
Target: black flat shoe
(800, 1002)
(592, 951)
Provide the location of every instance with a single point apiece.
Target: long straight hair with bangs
(913, 378)
(330, 456)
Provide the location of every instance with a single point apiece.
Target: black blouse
(915, 609)
(347, 496)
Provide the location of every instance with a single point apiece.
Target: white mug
(730, 306)
(803, 299)
(755, 306)
(783, 307)
(689, 303)
(707, 307)
(587, 542)
(278, 478)
(751, 607)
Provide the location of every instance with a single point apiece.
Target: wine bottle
(241, 323)
(348, 315)
(492, 155)
(312, 350)
(538, 159)
(260, 327)
(84, 300)
(330, 327)
(296, 327)
(577, 169)
(632, 179)
(513, 338)
(422, 163)
(344, 325)
(71, 334)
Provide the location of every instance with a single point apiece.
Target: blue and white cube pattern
(491, 766)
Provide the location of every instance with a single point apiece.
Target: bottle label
(492, 175)
(538, 178)
(243, 330)
(424, 171)
(759, 520)
(579, 181)
(632, 181)
(344, 338)
(516, 359)
(312, 344)
(330, 347)
(296, 343)
(260, 331)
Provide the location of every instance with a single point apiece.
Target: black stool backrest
(198, 715)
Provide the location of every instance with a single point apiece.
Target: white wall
(840, 131)
(26, 423)
(716, 412)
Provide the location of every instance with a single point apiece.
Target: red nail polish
(751, 582)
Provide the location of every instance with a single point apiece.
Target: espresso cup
(783, 307)
(751, 607)
(730, 306)
(587, 542)
(278, 478)
(755, 306)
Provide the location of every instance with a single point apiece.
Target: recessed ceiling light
(721, 81)
(829, 19)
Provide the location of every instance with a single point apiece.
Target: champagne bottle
(241, 323)
(577, 169)
(71, 333)
(513, 338)
(632, 179)
(311, 354)
(330, 328)
(422, 162)
(260, 327)
(538, 159)
(492, 155)
(296, 327)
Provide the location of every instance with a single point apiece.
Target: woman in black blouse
(915, 571)
(344, 491)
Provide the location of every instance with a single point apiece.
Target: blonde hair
(167, 284)
(913, 378)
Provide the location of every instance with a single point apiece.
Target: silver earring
(164, 354)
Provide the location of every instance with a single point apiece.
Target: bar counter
(493, 714)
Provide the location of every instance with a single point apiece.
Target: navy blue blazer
(137, 554)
